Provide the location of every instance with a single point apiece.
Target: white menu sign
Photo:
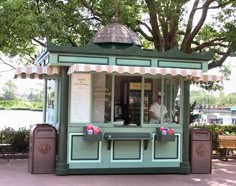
(80, 98)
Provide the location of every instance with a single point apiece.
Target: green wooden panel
(83, 150)
(53, 59)
(126, 150)
(166, 150)
(123, 153)
(179, 64)
(133, 62)
(83, 59)
(205, 67)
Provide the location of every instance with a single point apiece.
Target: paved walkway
(14, 173)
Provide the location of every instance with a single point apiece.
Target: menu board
(80, 98)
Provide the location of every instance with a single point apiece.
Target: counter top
(123, 136)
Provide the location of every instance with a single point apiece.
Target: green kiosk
(99, 97)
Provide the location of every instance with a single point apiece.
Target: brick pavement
(14, 173)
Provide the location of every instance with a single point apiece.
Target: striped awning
(133, 70)
(210, 78)
(207, 78)
(34, 72)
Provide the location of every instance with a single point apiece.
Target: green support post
(185, 163)
(61, 165)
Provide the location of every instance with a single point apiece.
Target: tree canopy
(164, 24)
(9, 90)
(207, 99)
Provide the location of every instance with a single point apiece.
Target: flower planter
(92, 137)
(163, 138)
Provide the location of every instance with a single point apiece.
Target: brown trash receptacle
(201, 151)
(42, 149)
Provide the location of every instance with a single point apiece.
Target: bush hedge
(218, 130)
(19, 139)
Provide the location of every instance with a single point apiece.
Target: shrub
(7, 135)
(19, 139)
(218, 130)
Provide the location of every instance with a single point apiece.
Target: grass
(21, 105)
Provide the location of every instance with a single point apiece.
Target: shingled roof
(116, 33)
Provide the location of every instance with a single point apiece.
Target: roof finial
(116, 16)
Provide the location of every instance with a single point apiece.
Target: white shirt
(156, 109)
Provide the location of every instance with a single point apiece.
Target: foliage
(37, 105)
(17, 104)
(212, 86)
(163, 23)
(7, 135)
(205, 99)
(61, 22)
(19, 139)
(229, 100)
(9, 90)
(216, 130)
(226, 71)
(192, 116)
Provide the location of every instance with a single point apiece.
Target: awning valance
(134, 70)
(206, 78)
(34, 72)
(210, 78)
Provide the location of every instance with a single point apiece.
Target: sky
(229, 86)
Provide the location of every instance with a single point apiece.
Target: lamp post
(31, 94)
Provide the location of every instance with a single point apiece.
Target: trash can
(201, 151)
(42, 149)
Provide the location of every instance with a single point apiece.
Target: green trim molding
(179, 64)
(127, 50)
(183, 169)
(133, 62)
(83, 59)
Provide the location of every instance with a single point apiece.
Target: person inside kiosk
(156, 111)
(124, 100)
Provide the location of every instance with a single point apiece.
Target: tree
(206, 99)
(9, 90)
(165, 23)
(228, 101)
(203, 98)
(166, 18)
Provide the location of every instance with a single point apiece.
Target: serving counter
(135, 150)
